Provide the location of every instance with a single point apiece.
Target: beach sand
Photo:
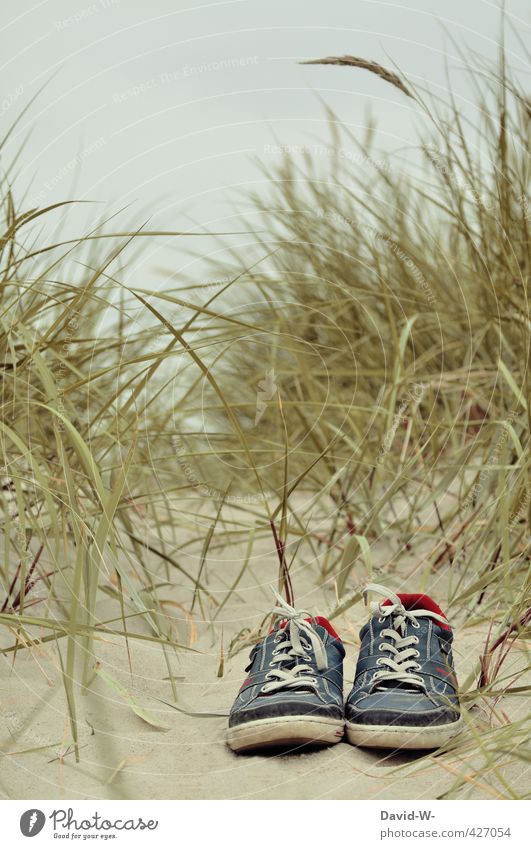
(123, 756)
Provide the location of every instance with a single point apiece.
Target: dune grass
(374, 359)
(397, 302)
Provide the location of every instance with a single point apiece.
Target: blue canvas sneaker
(405, 689)
(293, 694)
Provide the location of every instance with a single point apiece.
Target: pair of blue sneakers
(404, 693)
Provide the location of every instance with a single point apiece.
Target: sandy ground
(122, 756)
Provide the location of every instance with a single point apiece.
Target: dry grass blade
(366, 65)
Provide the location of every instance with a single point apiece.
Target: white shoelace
(296, 638)
(401, 666)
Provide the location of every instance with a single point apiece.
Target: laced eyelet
(276, 639)
(379, 661)
(381, 647)
(415, 624)
(263, 689)
(306, 657)
(417, 654)
(272, 663)
(381, 619)
(416, 641)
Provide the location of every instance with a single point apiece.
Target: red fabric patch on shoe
(324, 623)
(319, 620)
(419, 601)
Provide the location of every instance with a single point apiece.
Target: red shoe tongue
(319, 620)
(324, 623)
(419, 601)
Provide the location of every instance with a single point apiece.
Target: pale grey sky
(163, 105)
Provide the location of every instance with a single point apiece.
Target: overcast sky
(163, 105)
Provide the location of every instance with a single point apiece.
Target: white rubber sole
(285, 731)
(402, 736)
